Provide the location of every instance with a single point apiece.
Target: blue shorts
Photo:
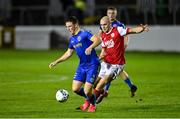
(87, 73)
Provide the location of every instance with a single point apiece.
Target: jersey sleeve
(122, 31)
(89, 35)
(122, 25)
(117, 23)
(70, 45)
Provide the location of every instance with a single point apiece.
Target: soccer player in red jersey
(113, 51)
(112, 14)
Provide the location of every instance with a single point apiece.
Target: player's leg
(106, 89)
(127, 80)
(77, 88)
(103, 82)
(111, 73)
(92, 73)
(96, 81)
(102, 72)
(105, 78)
(79, 80)
(100, 76)
(90, 96)
(100, 86)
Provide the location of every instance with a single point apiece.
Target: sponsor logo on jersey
(77, 45)
(109, 43)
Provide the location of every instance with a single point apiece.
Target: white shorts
(110, 69)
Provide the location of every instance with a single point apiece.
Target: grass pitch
(28, 87)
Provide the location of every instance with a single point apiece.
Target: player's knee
(106, 81)
(75, 90)
(100, 85)
(95, 83)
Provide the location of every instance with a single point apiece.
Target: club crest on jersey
(112, 35)
(79, 38)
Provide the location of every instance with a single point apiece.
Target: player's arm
(96, 41)
(102, 54)
(138, 29)
(125, 31)
(126, 41)
(62, 58)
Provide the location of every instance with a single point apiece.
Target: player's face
(71, 27)
(105, 25)
(112, 14)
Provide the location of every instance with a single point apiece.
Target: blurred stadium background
(38, 24)
(32, 34)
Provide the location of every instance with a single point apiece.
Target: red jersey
(113, 43)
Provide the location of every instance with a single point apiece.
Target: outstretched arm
(64, 57)
(138, 29)
(135, 30)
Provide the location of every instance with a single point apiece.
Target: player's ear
(76, 25)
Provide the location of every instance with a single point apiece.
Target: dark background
(40, 12)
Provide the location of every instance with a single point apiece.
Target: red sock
(97, 93)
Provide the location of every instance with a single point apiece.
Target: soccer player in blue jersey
(83, 42)
(112, 14)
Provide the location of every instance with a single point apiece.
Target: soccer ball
(62, 95)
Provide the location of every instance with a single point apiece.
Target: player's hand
(52, 64)
(88, 51)
(145, 27)
(101, 57)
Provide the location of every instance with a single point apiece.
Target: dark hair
(112, 8)
(72, 19)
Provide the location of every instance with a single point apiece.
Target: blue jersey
(79, 43)
(116, 23)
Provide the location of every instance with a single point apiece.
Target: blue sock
(107, 86)
(91, 99)
(128, 82)
(81, 92)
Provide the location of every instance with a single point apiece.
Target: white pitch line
(49, 79)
